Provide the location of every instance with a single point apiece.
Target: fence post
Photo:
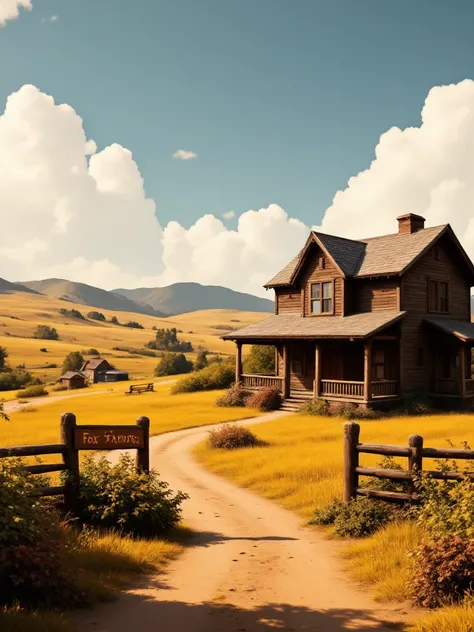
(415, 460)
(71, 461)
(351, 460)
(143, 454)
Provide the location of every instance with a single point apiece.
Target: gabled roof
(377, 256)
(294, 326)
(462, 329)
(93, 364)
(70, 374)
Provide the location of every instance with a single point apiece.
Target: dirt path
(14, 405)
(251, 566)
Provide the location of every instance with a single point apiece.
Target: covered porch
(451, 344)
(353, 359)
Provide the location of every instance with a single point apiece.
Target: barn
(73, 379)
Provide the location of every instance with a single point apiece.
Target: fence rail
(341, 388)
(415, 452)
(262, 381)
(384, 388)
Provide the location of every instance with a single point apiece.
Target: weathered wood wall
(288, 301)
(369, 295)
(313, 272)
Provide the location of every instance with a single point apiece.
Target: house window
(438, 296)
(321, 298)
(378, 365)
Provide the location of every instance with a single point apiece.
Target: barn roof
(295, 326)
(377, 256)
(462, 329)
(94, 364)
(70, 374)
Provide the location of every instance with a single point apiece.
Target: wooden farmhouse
(370, 321)
(73, 379)
(99, 370)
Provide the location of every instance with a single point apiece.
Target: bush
(43, 350)
(133, 325)
(231, 437)
(59, 387)
(358, 518)
(218, 375)
(92, 352)
(45, 332)
(173, 364)
(265, 399)
(114, 320)
(96, 316)
(312, 407)
(260, 360)
(3, 357)
(118, 497)
(37, 390)
(201, 360)
(443, 571)
(73, 361)
(347, 410)
(72, 313)
(11, 380)
(167, 340)
(137, 351)
(234, 397)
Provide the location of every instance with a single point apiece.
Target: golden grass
(302, 465)
(166, 412)
(449, 619)
(30, 310)
(13, 620)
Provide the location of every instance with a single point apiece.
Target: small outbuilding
(73, 379)
(113, 375)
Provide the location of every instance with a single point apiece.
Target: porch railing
(448, 385)
(384, 388)
(262, 381)
(340, 388)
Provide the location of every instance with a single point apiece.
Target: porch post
(317, 371)
(286, 371)
(238, 363)
(368, 370)
(462, 368)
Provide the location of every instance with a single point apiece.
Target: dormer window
(322, 298)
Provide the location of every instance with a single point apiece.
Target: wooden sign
(108, 437)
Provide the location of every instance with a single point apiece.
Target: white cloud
(228, 214)
(54, 18)
(184, 154)
(69, 210)
(10, 9)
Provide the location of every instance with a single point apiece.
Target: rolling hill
(8, 288)
(180, 298)
(175, 299)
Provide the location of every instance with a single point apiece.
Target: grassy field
(21, 313)
(301, 468)
(166, 412)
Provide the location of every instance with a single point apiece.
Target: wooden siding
(288, 301)
(374, 294)
(414, 299)
(313, 272)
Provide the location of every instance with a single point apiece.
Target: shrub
(96, 316)
(71, 313)
(218, 375)
(133, 325)
(11, 380)
(312, 407)
(167, 340)
(234, 397)
(358, 518)
(59, 387)
(37, 390)
(443, 571)
(260, 360)
(3, 356)
(265, 399)
(73, 361)
(201, 360)
(173, 364)
(50, 366)
(43, 350)
(137, 351)
(231, 437)
(45, 332)
(92, 352)
(119, 497)
(114, 320)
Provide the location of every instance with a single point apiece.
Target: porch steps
(295, 400)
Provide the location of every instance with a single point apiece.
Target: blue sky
(282, 101)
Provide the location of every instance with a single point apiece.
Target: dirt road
(251, 567)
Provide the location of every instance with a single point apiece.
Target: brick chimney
(410, 223)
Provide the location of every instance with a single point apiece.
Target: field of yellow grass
(166, 412)
(301, 468)
(21, 313)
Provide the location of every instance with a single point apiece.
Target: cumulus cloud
(428, 170)
(184, 154)
(70, 210)
(228, 214)
(52, 18)
(10, 9)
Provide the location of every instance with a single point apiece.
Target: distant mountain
(189, 297)
(87, 295)
(8, 288)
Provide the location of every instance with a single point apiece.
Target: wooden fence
(75, 438)
(415, 452)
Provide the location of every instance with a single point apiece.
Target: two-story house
(371, 320)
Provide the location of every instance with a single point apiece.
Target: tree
(114, 320)
(167, 340)
(260, 360)
(133, 325)
(96, 316)
(45, 332)
(3, 357)
(72, 313)
(73, 361)
(201, 360)
(173, 364)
